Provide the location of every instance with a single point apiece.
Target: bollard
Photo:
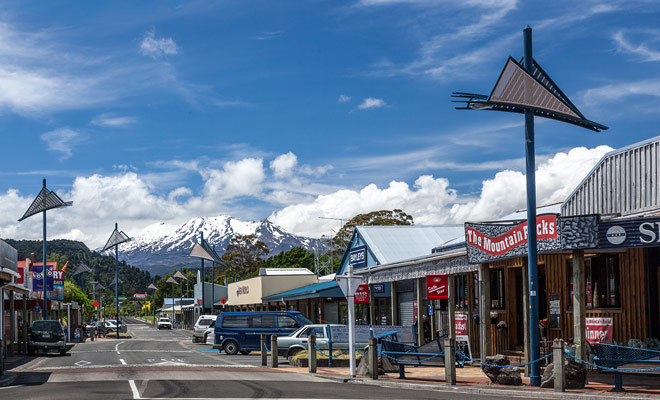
(273, 351)
(91, 333)
(311, 354)
(558, 361)
(450, 362)
(373, 358)
(264, 352)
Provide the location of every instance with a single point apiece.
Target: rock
(575, 375)
(501, 375)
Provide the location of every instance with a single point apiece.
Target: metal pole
(203, 282)
(213, 286)
(153, 307)
(351, 321)
(535, 378)
(45, 313)
(117, 285)
(172, 285)
(181, 302)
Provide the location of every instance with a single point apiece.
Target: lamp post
(116, 238)
(179, 275)
(205, 252)
(173, 282)
(153, 302)
(45, 200)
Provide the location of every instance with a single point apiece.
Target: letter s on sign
(645, 231)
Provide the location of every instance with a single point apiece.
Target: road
(157, 364)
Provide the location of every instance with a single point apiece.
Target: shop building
(249, 294)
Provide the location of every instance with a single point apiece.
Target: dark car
(46, 335)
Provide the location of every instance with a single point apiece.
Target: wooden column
(372, 305)
(322, 310)
(484, 312)
(420, 312)
(579, 306)
(395, 306)
(451, 306)
(24, 329)
(525, 296)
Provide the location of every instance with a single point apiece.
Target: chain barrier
(360, 353)
(463, 356)
(329, 355)
(266, 346)
(384, 353)
(612, 369)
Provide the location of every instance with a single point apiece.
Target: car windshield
(204, 322)
(304, 320)
(164, 320)
(46, 326)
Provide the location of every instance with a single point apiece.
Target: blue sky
(162, 111)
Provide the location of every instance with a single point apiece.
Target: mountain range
(162, 247)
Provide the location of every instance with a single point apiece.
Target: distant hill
(103, 267)
(163, 247)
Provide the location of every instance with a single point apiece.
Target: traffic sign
(95, 303)
(223, 300)
(343, 284)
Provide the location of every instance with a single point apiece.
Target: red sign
(460, 324)
(599, 329)
(362, 294)
(546, 228)
(95, 303)
(436, 287)
(223, 300)
(21, 278)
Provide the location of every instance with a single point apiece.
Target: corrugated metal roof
(313, 288)
(396, 243)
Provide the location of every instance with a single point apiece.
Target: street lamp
(204, 252)
(173, 282)
(153, 301)
(45, 200)
(116, 238)
(179, 275)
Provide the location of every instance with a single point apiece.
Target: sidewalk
(473, 380)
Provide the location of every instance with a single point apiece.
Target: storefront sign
(436, 287)
(362, 294)
(140, 295)
(357, 257)
(555, 311)
(21, 278)
(38, 277)
(462, 338)
(629, 233)
(599, 329)
(379, 288)
(242, 290)
(490, 242)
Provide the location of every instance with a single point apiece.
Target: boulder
(501, 375)
(575, 375)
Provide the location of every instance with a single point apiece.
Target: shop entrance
(653, 291)
(518, 319)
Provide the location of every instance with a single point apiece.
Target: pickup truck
(288, 346)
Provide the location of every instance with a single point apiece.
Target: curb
(7, 380)
(485, 390)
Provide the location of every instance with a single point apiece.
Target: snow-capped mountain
(162, 247)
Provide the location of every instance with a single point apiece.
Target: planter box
(323, 362)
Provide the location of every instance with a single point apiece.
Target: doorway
(653, 291)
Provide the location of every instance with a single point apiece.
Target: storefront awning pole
(484, 311)
(351, 320)
(579, 323)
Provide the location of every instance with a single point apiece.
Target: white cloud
(61, 141)
(642, 50)
(238, 178)
(343, 98)
(616, 92)
(110, 121)
(371, 102)
(154, 47)
(284, 165)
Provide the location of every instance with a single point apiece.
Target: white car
(164, 323)
(202, 328)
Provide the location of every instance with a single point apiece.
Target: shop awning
(315, 290)
(16, 288)
(446, 263)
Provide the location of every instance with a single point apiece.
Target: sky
(161, 111)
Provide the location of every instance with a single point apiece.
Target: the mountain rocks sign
(491, 242)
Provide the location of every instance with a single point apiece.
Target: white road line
(122, 361)
(140, 365)
(117, 347)
(136, 394)
(11, 387)
(134, 351)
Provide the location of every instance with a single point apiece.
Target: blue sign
(379, 288)
(37, 309)
(430, 307)
(38, 277)
(629, 233)
(358, 257)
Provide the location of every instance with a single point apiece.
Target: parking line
(122, 361)
(117, 347)
(134, 389)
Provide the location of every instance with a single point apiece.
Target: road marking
(142, 365)
(82, 363)
(117, 347)
(136, 394)
(122, 361)
(134, 351)
(11, 387)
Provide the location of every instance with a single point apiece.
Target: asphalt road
(157, 364)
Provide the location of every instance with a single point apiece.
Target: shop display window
(461, 285)
(497, 289)
(601, 275)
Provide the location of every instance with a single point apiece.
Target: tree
(297, 257)
(73, 293)
(244, 256)
(374, 218)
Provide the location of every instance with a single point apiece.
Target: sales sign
(362, 294)
(599, 329)
(490, 242)
(436, 287)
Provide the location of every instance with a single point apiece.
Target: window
(286, 322)
(263, 321)
(460, 283)
(317, 331)
(601, 275)
(235, 321)
(497, 289)
(475, 292)
(205, 322)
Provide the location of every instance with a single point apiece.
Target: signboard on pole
(362, 294)
(38, 277)
(599, 329)
(436, 287)
(357, 257)
(343, 284)
(58, 285)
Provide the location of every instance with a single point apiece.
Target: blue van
(241, 330)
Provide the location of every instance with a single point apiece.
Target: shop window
(475, 291)
(461, 285)
(497, 289)
(601, 275)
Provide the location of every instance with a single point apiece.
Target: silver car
(288, 346)
(203, 327)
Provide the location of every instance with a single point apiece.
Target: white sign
(343, 284)
(339, 333)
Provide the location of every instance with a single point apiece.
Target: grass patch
(319, 356)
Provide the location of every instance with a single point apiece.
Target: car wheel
(206, 338)
(246, 352)
(230, 347)
(293, 352)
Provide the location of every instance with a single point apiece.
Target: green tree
(294, 258)
(374, 218)
(244, 256)
(73, 293)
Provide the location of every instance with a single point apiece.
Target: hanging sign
(362, 294)
(58, 285)
(436, 287)
(490, 242)
(599, 329)
(38, 277)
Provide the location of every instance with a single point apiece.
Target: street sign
(223, 300)
(343, 284)
(95, 303)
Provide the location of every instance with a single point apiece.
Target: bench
(402, 354)
(613, 357)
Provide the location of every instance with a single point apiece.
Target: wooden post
(579, 305)
(25, 325)
(558, 361)
(451, 307)
(420, 312)
(395, 304)
(484, 311)
(525, 296)
(450, 362)
(373, 358)
(311, 354)
(264, 352)
(432, 318)
(372, 305)
(273, 351)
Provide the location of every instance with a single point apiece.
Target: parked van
(204, 322)
(241, 331)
